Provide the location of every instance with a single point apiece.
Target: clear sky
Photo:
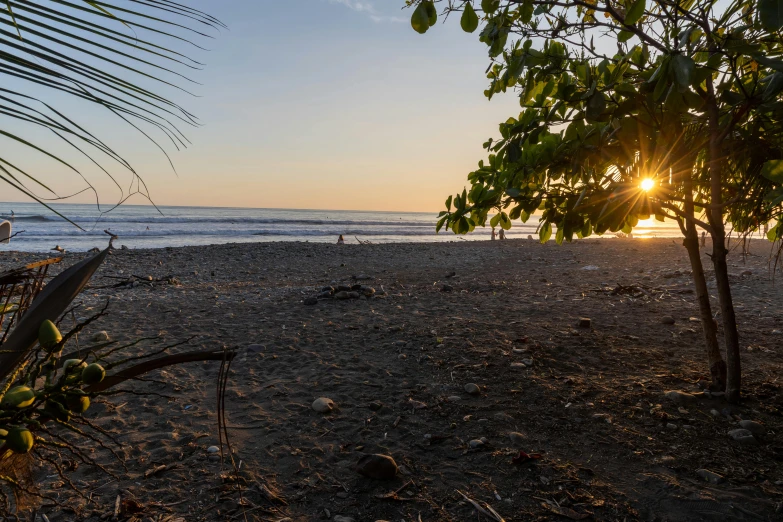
(334, 104)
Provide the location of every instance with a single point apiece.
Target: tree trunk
(714, 357)
(730, 333)
(719, 252)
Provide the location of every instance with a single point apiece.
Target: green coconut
(77, 401)
(19, 440)
(71, 365)
(18, 397)
(93, 374)
(48, 335)
(72, 368)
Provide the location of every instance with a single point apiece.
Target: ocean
(137, 226)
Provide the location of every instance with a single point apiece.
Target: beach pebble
(101, 337)
(327, 289)
(367, 291)
(310, 301)
(743, 436)
(476, 443)
(446, 288)
(402, 356)
(376, 405)
(325, 295)
(454, 398)
(343, 288)
(342, 294)
(679, 397)
(377, 466)
(584, 322)
(324, 405)
(340, 518)
(353, 295)
(667, 319)
(527, 362)
(714, 412)
(417, 405)
(518, 365)
(517, 439)
(213, 449)
(472, 389)
(756, 428)
(710, 476)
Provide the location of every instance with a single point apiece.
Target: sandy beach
(585, 404)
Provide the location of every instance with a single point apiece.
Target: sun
(648, 184)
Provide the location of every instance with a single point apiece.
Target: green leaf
(526, 12)
(469, 20)
(545, 233)
(773, 171)
(448, 203)
(494, 221)
(420, 20)
(490, 6)
(505, 222)
(595, 106)
(683, 70)
(432, 13)
(662, 84)
(771, 14)
(774, 86)
(441, 221)
(624, 35)
(772, 233)
(635, 12)
(560, 235)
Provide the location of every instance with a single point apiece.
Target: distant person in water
(493, 234)
(501, 234)
(340, 240)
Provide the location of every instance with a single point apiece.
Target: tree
(632, 109)
(116, 55)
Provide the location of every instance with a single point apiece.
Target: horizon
(218, 207)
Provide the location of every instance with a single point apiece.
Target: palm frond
(121, 56)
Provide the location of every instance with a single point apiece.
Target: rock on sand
(324, 405)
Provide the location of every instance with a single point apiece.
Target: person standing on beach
(340, 240)
(493, 234)
(501, 234)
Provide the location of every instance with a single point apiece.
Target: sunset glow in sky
(333, 104)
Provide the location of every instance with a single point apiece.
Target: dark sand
(591, 403)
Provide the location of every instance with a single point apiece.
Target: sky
(320, 104)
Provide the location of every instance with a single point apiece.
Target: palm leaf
(70, 47)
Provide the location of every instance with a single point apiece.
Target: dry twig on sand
(488, 512)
